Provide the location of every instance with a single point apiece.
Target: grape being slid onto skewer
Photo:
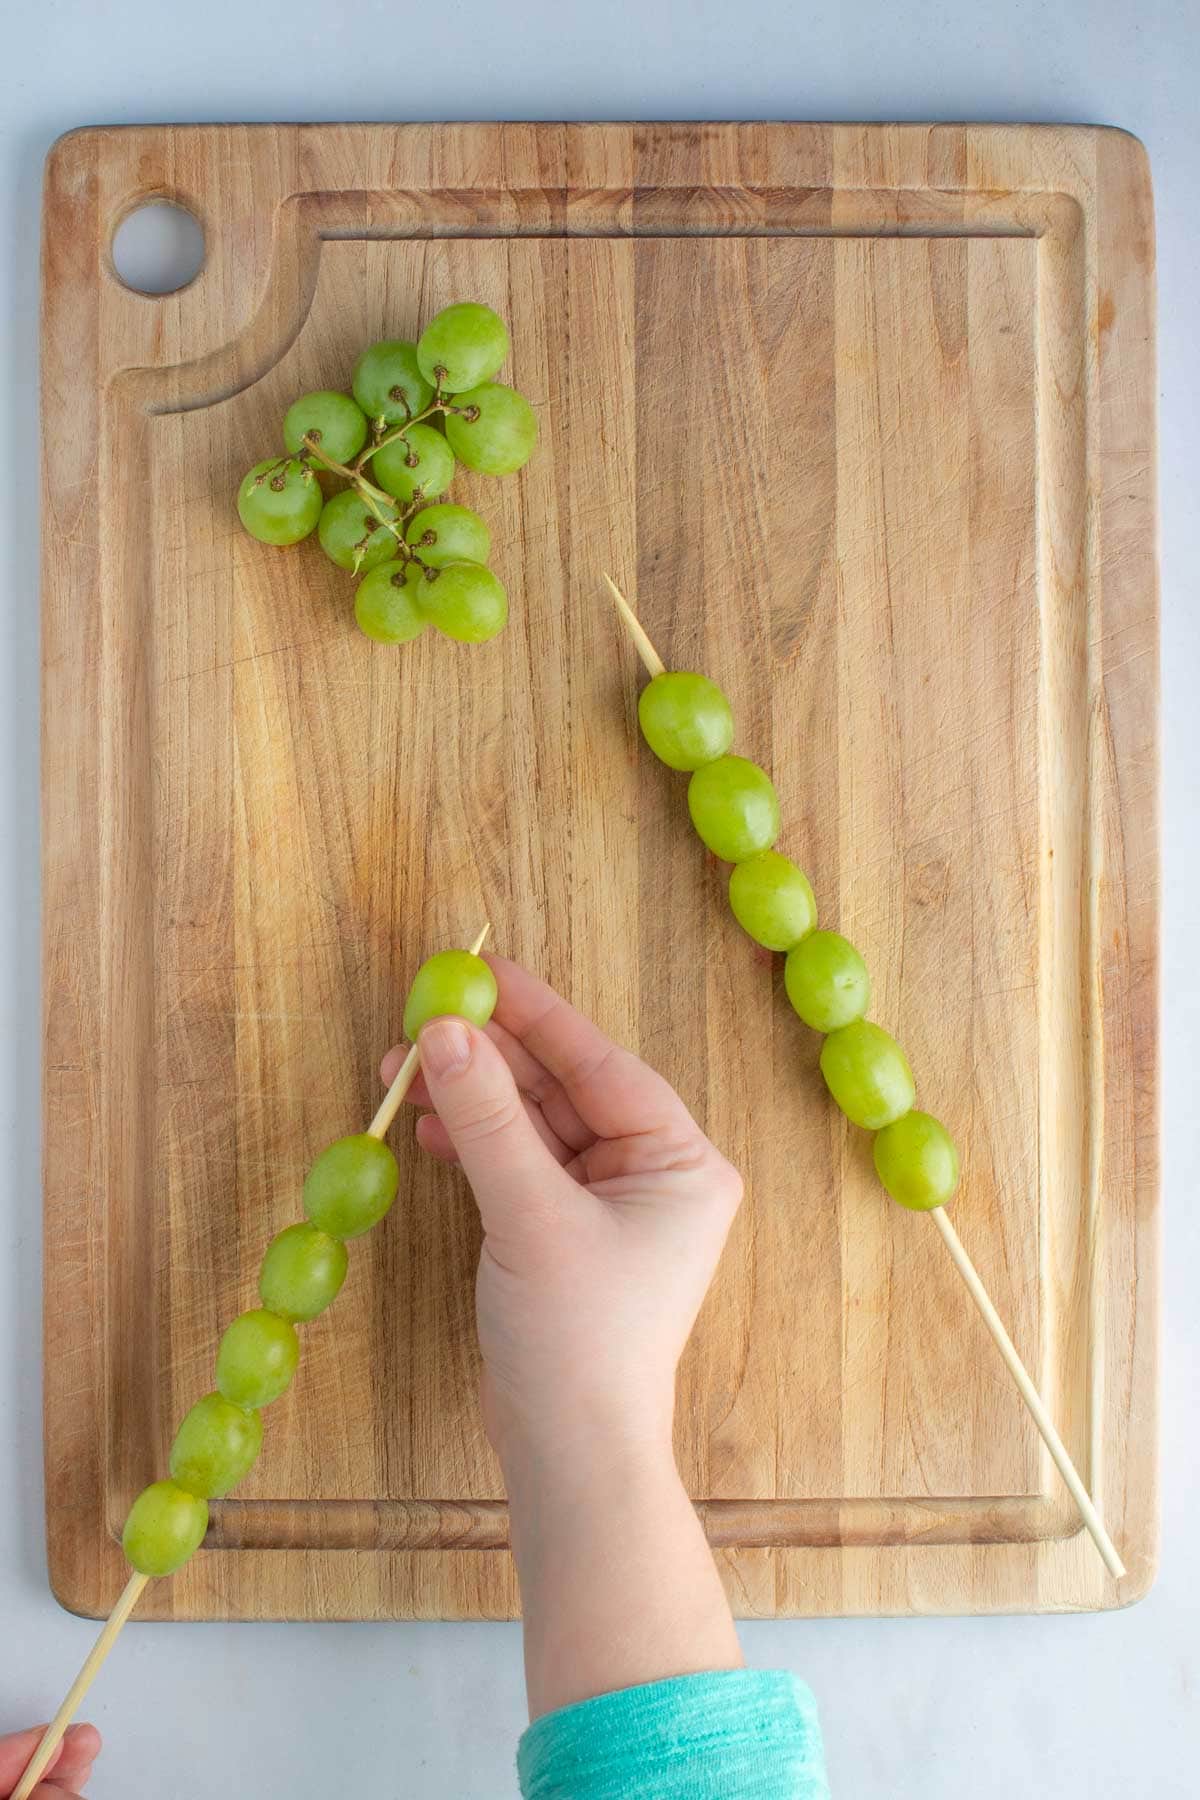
(416, 412)
(688, 723)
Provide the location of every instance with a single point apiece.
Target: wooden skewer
(1029, 1393)
(132, 1591)
(55, 1730)
(390, 1104)
(407, 1072)
(645, 649)
(962, 1262)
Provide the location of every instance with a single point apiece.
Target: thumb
(476, 1098)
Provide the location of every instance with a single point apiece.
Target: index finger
(612, 1090)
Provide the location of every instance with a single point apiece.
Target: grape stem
(349, 474)
(281, 462)
(375, 498)
(398, 431)
(372, 497)
(368, 493)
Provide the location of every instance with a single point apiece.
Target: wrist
(568, 1426)
(618, 1586)
(574, 1463)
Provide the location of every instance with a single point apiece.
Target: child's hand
(69, 1768)
(604, 1210)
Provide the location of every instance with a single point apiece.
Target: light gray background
(1097, 1706)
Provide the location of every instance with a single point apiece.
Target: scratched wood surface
(863, 418)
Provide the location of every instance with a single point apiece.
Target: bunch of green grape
(417, 411)
(688, 723)
(348, 1190)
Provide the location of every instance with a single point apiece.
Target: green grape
(257, 1358)
(214, 1447)
(827, 981)
(351, 1185)
(867, 1073)
(494, 429)
(302, 1272)
(462, 345)
(387, 383)
(332, 420)
(466, 602)
(387, 606)
(278, 502)
(165, 1525)
(417, 466)
(734, 808)
(917, 1161)
(453, 983)
(443, 534)
(685, 719)
(351, 535)
(772, 900)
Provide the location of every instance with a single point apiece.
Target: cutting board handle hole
(158, 248)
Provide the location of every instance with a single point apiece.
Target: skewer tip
(651, 660)
(477, 946)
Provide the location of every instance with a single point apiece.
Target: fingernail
(445, 1046)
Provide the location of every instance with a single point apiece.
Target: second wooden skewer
(654, 666)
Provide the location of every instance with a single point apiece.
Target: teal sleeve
(744, 1734)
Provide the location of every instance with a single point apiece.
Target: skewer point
(651, 660)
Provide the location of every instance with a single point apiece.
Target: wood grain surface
(863, 419)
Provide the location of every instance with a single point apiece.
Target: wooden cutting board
(864, 418)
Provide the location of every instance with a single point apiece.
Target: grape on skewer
(864, 1068)
(348, 1190)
